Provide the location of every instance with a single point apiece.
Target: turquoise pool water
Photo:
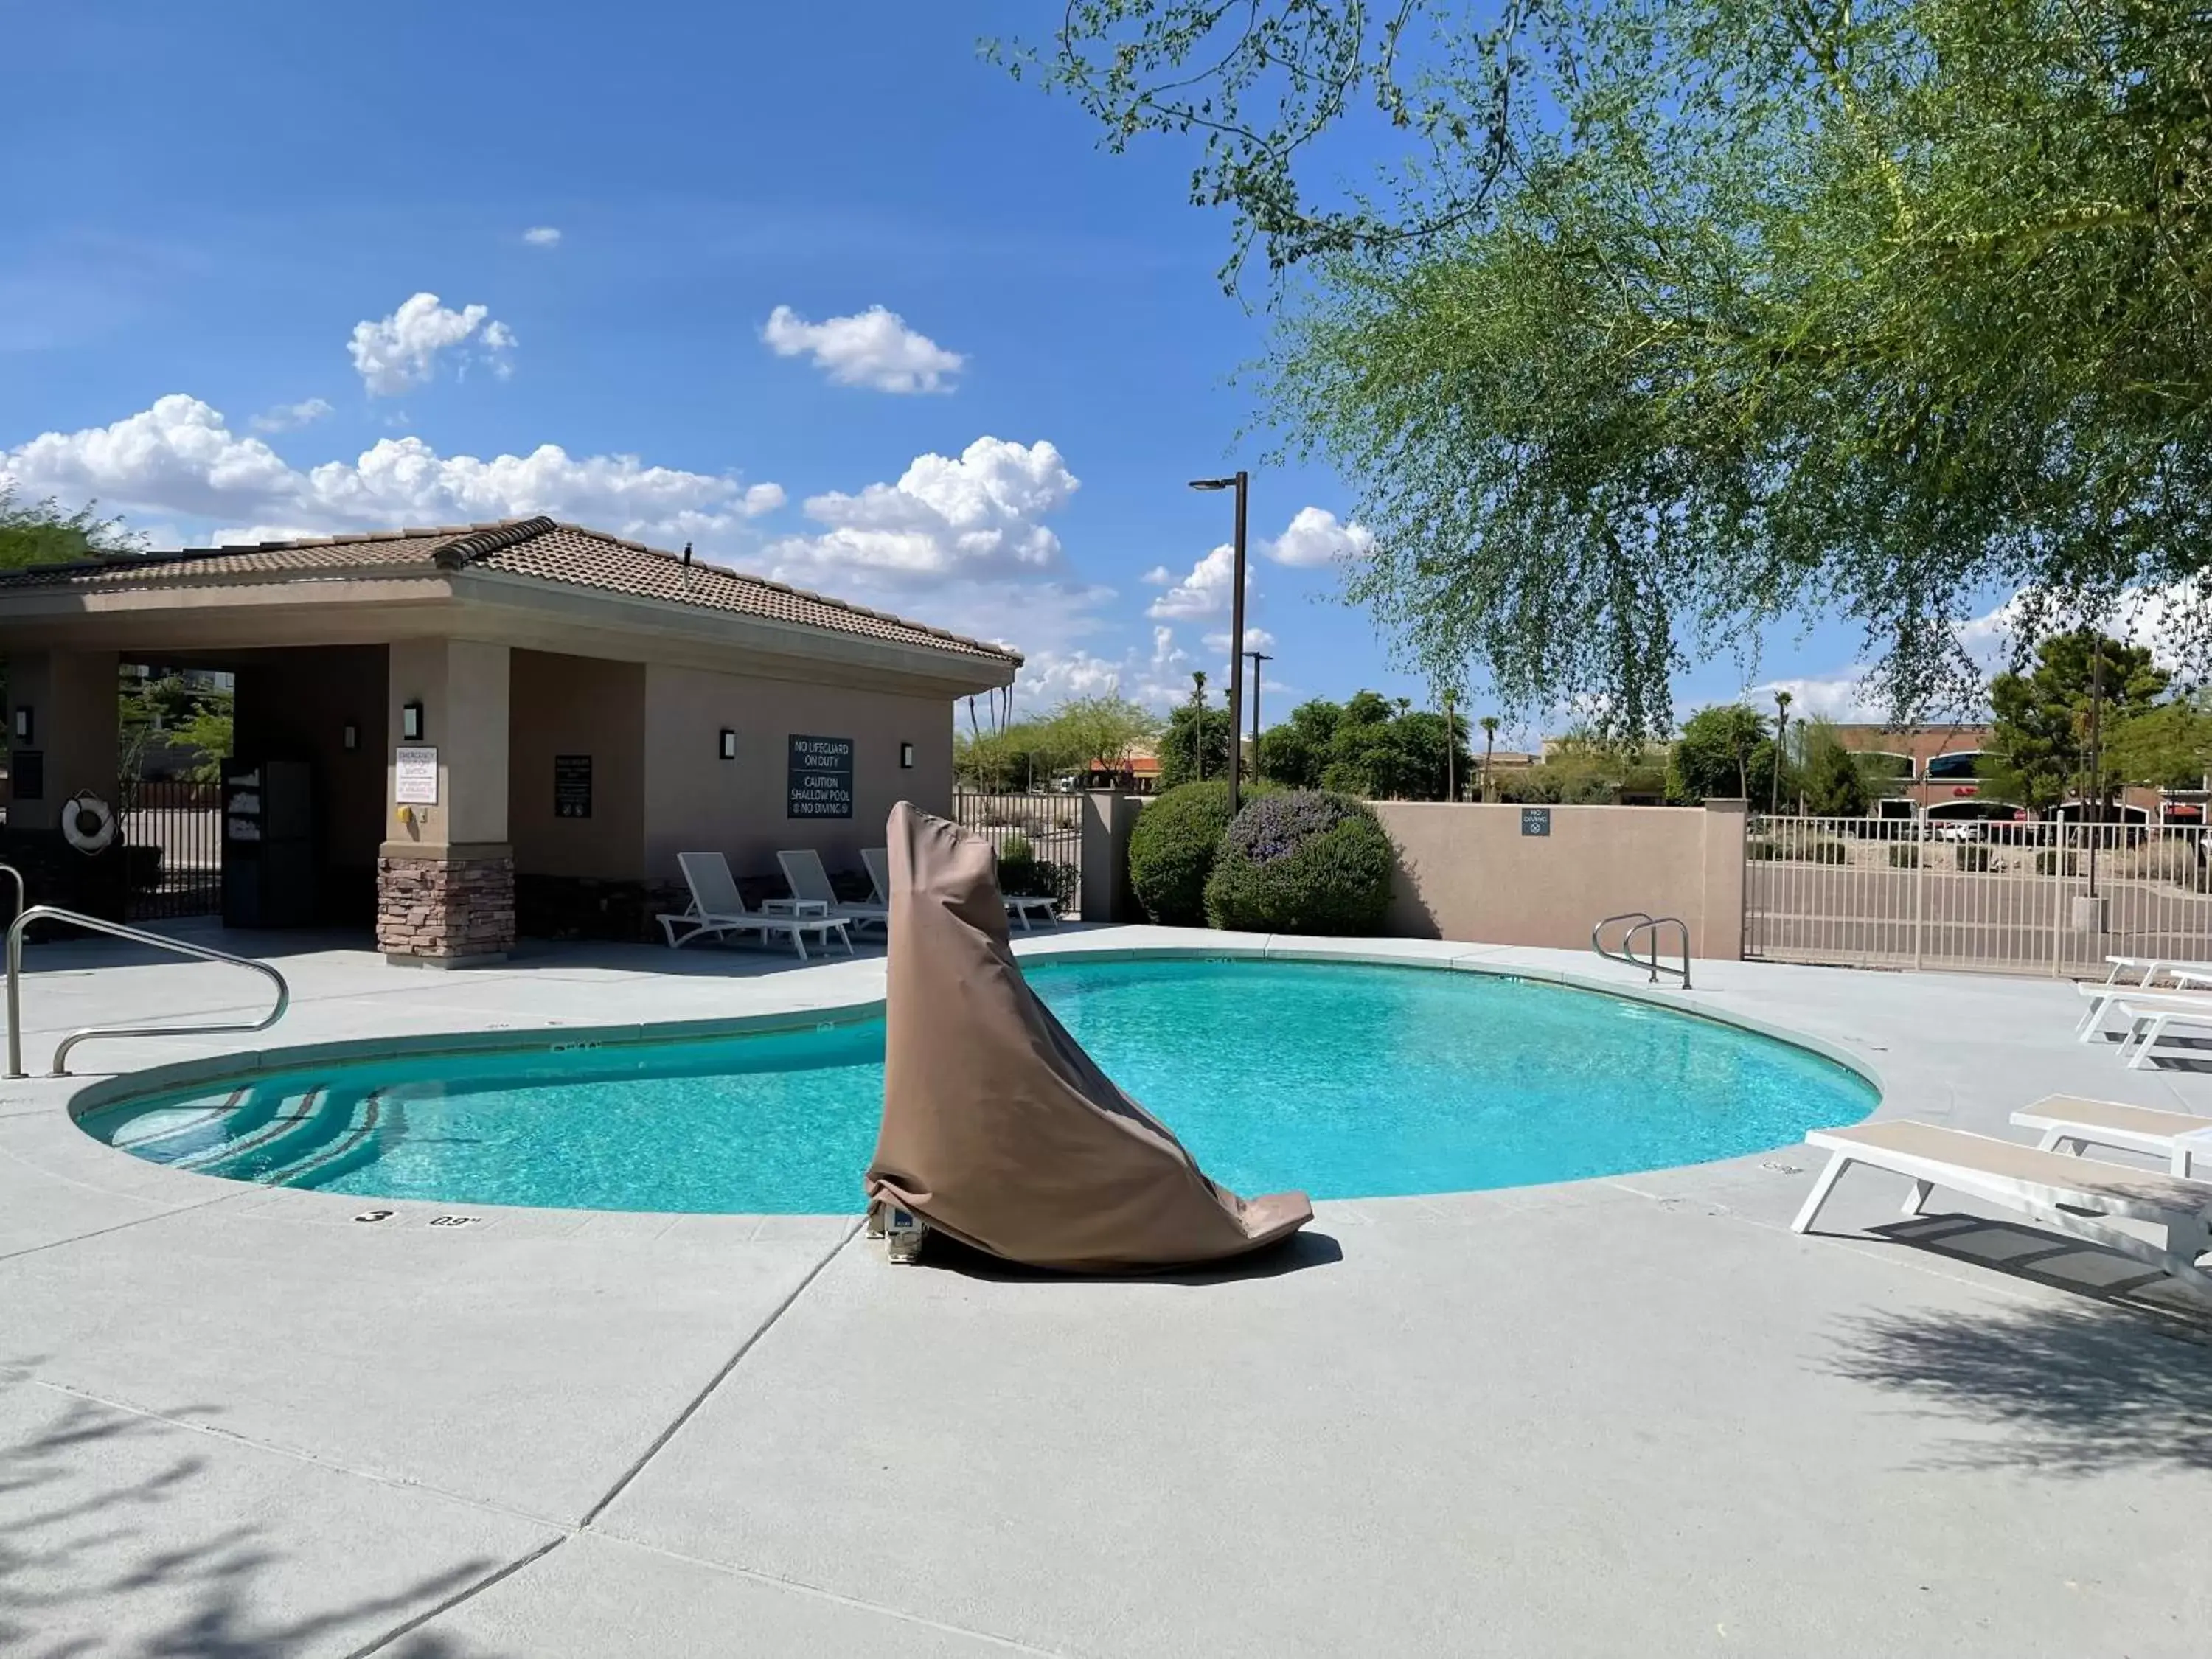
(1349, 1081)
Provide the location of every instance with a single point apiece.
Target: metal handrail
(137, 936)
(1645, 923)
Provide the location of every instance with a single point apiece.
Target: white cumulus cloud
(1255, 639)
(1314, 537)
(285, 416)
(181, 457)
(1204, 592)
(402, 350)
(543, 236)
(1844, 697)
(974, 514)
(873, 348)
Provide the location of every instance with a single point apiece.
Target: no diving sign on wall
(821, 781)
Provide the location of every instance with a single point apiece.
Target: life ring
(88, 823)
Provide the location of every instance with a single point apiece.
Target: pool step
(296, 1140)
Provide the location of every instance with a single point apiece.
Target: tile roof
(538, 548)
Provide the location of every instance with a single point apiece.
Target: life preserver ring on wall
(88, 823)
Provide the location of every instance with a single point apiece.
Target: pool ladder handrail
(1648, 925)
(137, 936)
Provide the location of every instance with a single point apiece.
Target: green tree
(1834, 779)
(40, 532)
(1191, 730)
(1295, 752)
(2040, 742)
(165, 710)
(1106, 730)
(1684, 314)
(2166, 747)
(1725, 751)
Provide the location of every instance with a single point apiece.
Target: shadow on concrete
(73, 1561)
(2049, 1259)
(2075, 1390)
(1301, 1250)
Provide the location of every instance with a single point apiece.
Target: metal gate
(172, 848)
(1051, 827)
(1986, 896)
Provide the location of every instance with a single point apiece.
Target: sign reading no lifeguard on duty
(821, 778)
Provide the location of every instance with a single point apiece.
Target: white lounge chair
(718, 909)
(810, 884)
(2050, 1189)
(1022, 906)
(2152, 975)
(1019, 908)
(2069, 1123)
(2153, 1016)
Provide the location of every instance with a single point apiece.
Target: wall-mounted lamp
(410, 721)
(729, 746)
(23, 722)
(349, 737)
(906, 758)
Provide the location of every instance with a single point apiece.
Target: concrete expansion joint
(588, 1524)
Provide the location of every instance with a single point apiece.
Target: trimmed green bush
(1971, 858)
(2052, 862)
(1903, 858)
(1824, 851)
(1172, 851)
(1021, 874)
(1759, 849)
(1307, 862)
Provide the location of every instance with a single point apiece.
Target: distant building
(1937, 774)
(1138, 774)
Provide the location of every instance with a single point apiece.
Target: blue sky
(209, 316)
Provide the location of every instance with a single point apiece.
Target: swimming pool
(1348, 1080)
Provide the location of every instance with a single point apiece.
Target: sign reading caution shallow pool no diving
(821, 778)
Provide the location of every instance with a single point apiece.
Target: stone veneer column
(445, 906)
(445, 876)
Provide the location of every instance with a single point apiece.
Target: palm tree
(1489, 741)
(1198, 721)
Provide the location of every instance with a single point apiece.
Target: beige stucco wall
(71, 697)
(1468, 872)
(462, 685)
(563, 705)
(695, 801)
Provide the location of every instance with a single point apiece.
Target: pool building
(451, 736)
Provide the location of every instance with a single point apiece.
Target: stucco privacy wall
(1470, 872)
(695, 801)
(578, 706)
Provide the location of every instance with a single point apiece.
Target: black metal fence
(172, 848)
(1049, 825)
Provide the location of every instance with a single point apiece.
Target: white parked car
(1958, 828)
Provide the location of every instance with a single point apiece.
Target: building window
(1960, 765)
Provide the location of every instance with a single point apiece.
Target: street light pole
(1257, 657)
(1241, 483)
(1782, 700)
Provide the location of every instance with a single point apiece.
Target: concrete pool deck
(1631, 1414)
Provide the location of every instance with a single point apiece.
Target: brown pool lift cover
(997, 1129)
